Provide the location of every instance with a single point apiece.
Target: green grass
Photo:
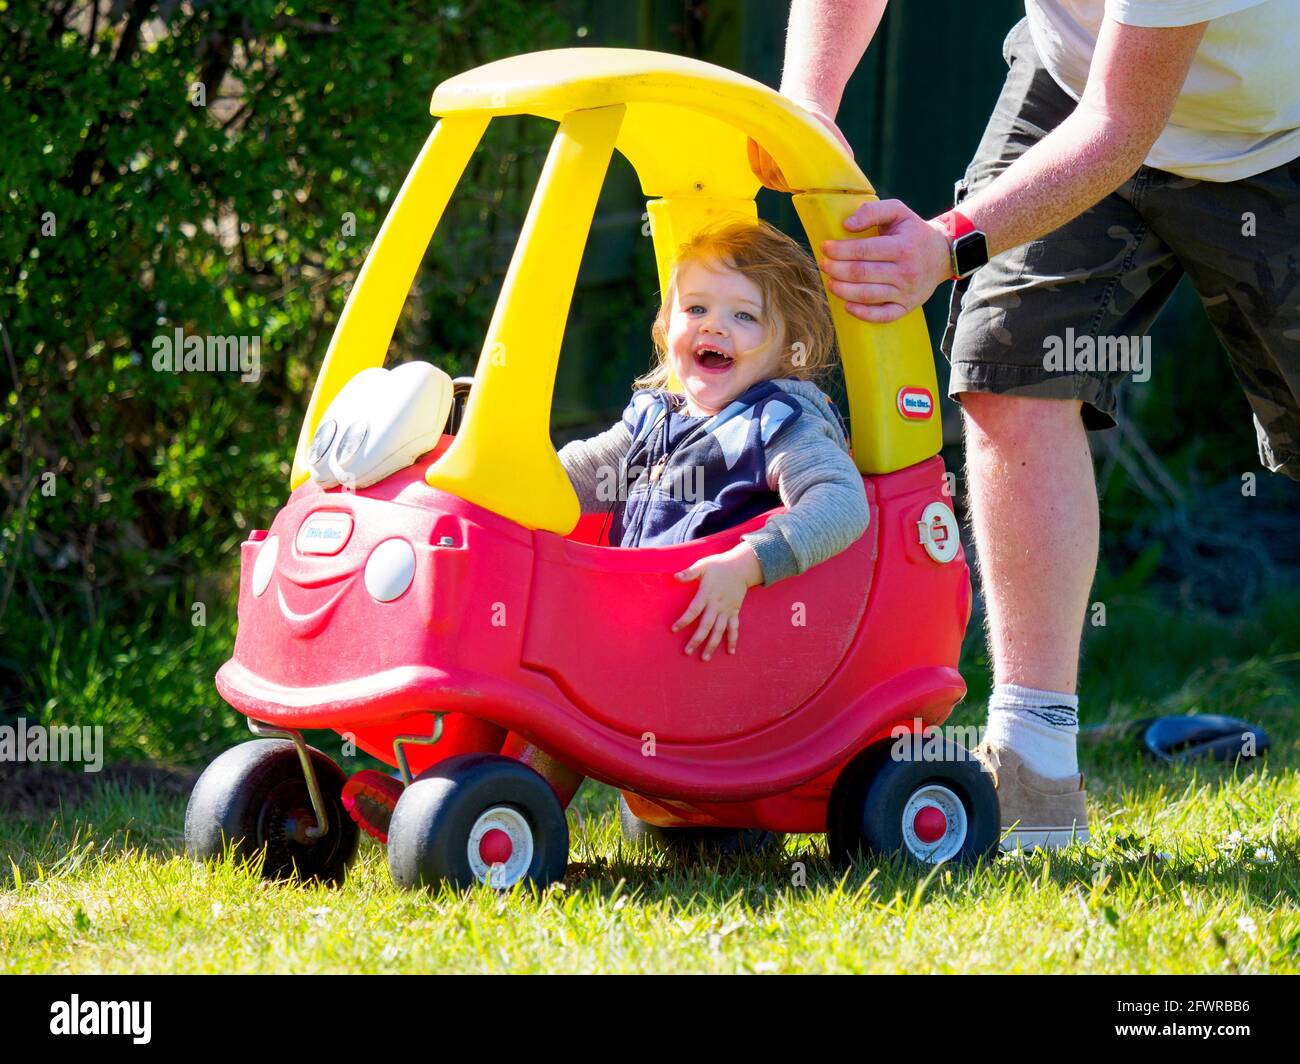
(1191, 869)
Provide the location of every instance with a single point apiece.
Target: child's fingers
(702, 632)
(715, 637)
(733, 633)
(692, 611)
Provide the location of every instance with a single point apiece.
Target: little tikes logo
(324, 534)
(916, 404)
(79, 1017)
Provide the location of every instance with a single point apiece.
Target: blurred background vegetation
(223, 167)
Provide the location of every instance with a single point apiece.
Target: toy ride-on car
(437, 599)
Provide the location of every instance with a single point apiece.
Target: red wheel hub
(495, 848)
(930, 824)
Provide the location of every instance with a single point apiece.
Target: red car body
(563, 643)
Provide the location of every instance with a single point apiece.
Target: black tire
(870, 802)
(430, 834)
(254, 797)
(686, 841)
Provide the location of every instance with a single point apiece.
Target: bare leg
(1033, 499)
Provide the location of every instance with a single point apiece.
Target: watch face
(969, 253)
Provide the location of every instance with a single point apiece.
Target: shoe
(1038, 812)
(370, 798)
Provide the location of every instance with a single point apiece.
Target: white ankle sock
(1041, 726)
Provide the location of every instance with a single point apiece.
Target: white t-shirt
(1239, 112)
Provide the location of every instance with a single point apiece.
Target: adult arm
(824, 43)
(1136, 75)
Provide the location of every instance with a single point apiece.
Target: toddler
(745, 328)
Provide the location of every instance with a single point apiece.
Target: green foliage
(221, 169)
(147, 683)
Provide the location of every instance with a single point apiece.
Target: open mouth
(713, 360)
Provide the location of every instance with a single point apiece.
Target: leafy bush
(221, 169)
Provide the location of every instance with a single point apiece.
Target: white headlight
(390, 569)
(392, 419)
(351, 402)
(351, 442)
(265, 564)
(322, 442)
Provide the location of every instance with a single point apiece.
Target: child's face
(719, 309)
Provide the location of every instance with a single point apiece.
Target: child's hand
(724, 579)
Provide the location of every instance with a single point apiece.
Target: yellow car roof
(683, 124)
(673, 103)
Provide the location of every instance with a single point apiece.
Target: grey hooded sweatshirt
(807, 465)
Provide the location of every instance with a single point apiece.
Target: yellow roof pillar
(502, 457)
(674, 220)
(881, 362)
(366, 326)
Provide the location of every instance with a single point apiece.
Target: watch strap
(955, 224)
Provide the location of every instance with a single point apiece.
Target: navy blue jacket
(687, 477)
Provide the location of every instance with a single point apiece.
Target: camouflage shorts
(1065, 317)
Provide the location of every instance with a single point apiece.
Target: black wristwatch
(968, 249)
